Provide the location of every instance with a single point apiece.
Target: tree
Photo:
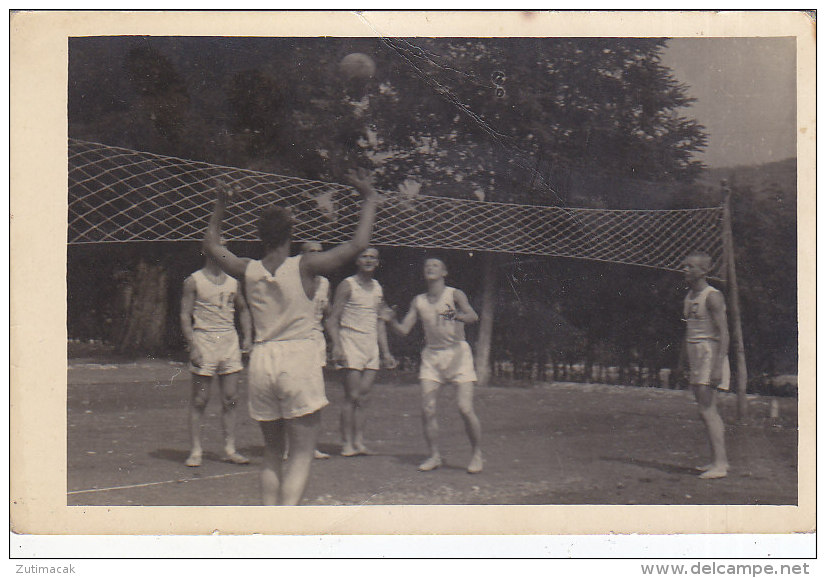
(545, 121)
(764, 223)
(568, 121)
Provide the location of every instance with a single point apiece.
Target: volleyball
(357, 66)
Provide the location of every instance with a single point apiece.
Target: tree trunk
(144, 327)
(485, 337)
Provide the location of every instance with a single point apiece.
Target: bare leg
(198, 402)
(707, 402)
(274, 434)
(430, 425)
(229, 401)
(464, 398)
(303, 435)
(368, 378)
(352, 383)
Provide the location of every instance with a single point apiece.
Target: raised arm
(465, 312)
(403, 328)
(245, 319)
(326, 262)
(717, 309)
(226, 259)
(187, 306)
(333, 321)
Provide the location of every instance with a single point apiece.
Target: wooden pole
(734, 306)
(484, 339)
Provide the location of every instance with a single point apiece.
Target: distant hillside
(780, 175)
(775, 182)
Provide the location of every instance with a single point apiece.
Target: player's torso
(361, 310)
(441, 329)
(280, 308)
(699, 323)
(214, 308)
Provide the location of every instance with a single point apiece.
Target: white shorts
(285, 380)
(700, 357)
(361, 350)
(220, 353)
(452, 364)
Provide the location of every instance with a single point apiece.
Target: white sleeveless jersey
(280, 309)
(699, 323)
(441, 329)
(214, 308)
(320, 301)
(362, 309)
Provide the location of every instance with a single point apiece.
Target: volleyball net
(118, 195)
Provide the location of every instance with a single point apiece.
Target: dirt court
(561, 443)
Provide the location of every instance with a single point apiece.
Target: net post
(734, 305)
(484, 338)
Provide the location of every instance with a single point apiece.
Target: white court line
(147, 484)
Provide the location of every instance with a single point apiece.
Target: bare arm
(406, 326)
(326, 262)
(245, 318)
(717, 308)
(226, 259)
(389, 361)
(333, 321)
(465, 313)
(326, 311)
(187, 306)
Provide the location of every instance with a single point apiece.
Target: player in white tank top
(441, 329)
(214, 308)
(359, 344)
(360, 312)
(705, 348)
(446, 356)
(280, 307)
(286, 390)
(208, 305)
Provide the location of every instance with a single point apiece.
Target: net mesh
(122, 195)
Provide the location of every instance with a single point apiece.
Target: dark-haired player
(286, 386)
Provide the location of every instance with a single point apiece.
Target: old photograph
(433, 269)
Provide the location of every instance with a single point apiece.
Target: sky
(746, 96)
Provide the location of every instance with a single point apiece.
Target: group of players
(285, 306)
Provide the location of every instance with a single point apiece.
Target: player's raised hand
(362, 180)
(224, 191)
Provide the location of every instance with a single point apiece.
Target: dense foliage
(584, 122)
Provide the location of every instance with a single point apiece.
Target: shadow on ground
(663, 467)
